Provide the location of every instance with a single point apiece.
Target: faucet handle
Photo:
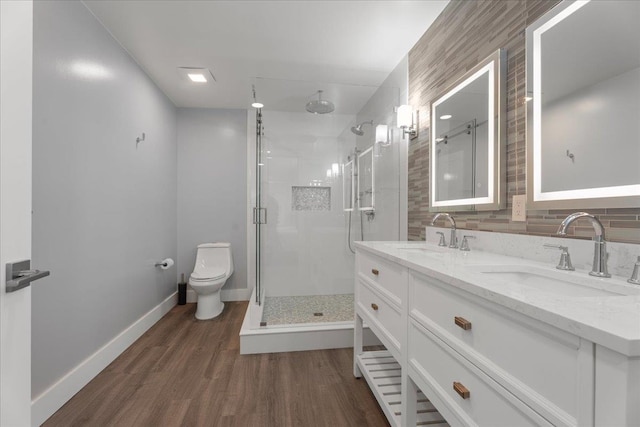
(565, 258)
(464, 246)
(442, 241)
(635, 276)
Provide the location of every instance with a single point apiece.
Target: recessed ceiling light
(197, 77)
(446, 117)
(257, 105)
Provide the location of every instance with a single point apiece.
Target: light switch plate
(519, 208)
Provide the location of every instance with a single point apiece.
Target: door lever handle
(20, 275)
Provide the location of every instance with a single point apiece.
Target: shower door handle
(258, 217)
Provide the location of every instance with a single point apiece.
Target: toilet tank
(214, 255)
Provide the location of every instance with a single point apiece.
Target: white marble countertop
(611, 321)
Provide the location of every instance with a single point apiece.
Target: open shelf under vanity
(382, 373)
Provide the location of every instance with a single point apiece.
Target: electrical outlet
(519, 208)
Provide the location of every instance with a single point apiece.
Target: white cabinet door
(16, 47)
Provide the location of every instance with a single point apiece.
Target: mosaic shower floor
(308, 309)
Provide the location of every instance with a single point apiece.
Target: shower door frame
(259, 212)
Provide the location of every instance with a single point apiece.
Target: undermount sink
(557, 282)
(425, 249)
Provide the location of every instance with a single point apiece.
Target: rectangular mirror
(466, 148)
(583, 119)
(366, 195)
(347, 186)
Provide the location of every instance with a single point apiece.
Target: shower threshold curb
(303, 337)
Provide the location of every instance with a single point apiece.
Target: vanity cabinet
(520, 371)
(381, 302)
(469, 360)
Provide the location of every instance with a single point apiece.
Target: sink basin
(557, 282)
(426, 249)
(433, 251)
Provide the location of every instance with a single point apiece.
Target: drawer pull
(462, 322)
(461, 390)
(374, 306)
(375, 272)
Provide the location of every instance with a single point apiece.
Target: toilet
(214, 265)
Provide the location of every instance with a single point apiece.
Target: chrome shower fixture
(320, 106)
(255, 103)
(358, 128)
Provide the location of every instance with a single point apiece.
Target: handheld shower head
(358, 128)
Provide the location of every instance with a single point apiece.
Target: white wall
(212, 187)
(390, 162)
(104, 207)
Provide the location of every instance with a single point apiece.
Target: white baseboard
(52, 399)
(236, 294)
(225, 295)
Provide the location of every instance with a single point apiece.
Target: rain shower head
(358, 128)
(320, 106)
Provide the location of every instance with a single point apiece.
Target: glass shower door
(259, 211)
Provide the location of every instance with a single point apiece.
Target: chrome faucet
(599, 268)
(453, 241)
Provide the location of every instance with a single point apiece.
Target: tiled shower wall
(465, 33)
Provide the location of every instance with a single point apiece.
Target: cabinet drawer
(388, 275)
(486, 404)
(378, 313)
(511, 348)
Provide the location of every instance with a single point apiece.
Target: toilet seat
(208, 274)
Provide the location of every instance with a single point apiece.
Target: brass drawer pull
(462, 322)
(461, 390)
(375, 272)
(374, 306)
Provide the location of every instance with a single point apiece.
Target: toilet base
(209, 306)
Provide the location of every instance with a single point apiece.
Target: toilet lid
(208, 274)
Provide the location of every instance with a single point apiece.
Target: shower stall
(319, 181)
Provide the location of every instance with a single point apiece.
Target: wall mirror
(347, 186)
(466, 148)
(366, 195)
(583, 116)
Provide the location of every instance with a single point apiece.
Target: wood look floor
(184, 372)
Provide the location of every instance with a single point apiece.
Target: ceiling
(343, 42)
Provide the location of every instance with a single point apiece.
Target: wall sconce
(382, 135)
(406, 121)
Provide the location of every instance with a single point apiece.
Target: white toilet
(214, 265)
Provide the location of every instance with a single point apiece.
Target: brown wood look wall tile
(466, 32)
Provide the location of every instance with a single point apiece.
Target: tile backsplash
(621, 256)
(465, 33)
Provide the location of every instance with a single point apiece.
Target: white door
(16, 50)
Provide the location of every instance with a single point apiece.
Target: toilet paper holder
(165, 263)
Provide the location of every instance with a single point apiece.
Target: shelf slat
(383, 374)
